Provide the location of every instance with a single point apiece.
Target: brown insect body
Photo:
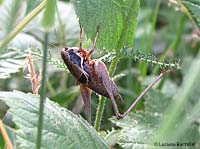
(89, 73)
(97, 71)
(92, 75)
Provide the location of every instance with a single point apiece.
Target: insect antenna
(95, 41)
(53, 45)
(81, 31)
(60, 40)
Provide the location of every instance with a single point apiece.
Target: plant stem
(113, 66)
(100, 109)
(42, 94)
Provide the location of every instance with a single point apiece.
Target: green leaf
(11, 62)
(61, 128)
(112, 136)
(1, 1)
(193, 7)
(49, 15)
(117, 21)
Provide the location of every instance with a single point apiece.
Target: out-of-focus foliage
(49, 15)
(173, 35)
(32, 35)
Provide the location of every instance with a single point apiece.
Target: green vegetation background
(168, 113)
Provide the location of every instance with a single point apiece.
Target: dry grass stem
(32, 76)
(5, 136)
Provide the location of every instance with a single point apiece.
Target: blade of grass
(42, 94)
(47, 23)
(174, 44)
(175, 110)
(143, 66)
(187, 121)
(23, 23)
